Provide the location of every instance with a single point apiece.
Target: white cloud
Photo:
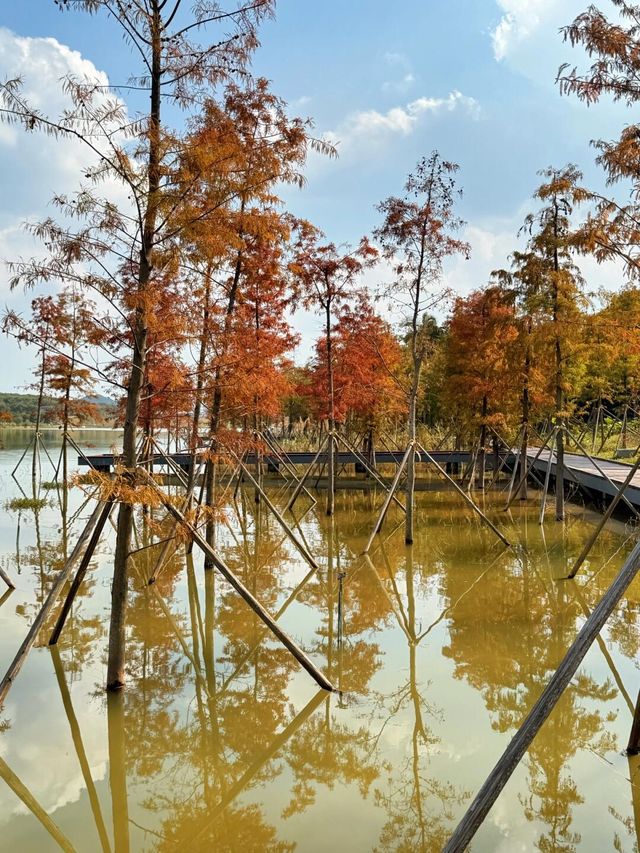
(35, 166)
(401, 120)
(520, 20)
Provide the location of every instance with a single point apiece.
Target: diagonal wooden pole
(466, 497)
(607, 515)
(306, 474)
(362, 459)
(5, 577)
(283, 458)
(528, 469)
(247, 657)
(49, 602)
(514, 473)
(240, 588)
(24, 794)
(283, 524)
(81, 572)
(547, 477)
(387, 501)
(26, 450)
(511, 757)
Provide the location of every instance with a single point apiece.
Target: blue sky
(472, 78)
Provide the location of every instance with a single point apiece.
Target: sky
(388, 83)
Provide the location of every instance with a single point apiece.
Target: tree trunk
(331, 447)
(482, 453)
(522, 492)
(216, 405)
(411, 465)
(559, 386)
(36, 442)
(117, 639)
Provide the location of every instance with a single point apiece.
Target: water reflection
(220, 741)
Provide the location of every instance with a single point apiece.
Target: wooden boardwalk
(106, 461)
(584, 473)
(580, 471)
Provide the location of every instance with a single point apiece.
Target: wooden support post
(287, 465)
(541, 710)
(385, 506)
(331, 473)
(498, 462)
(26, 450)
(300, 486)
(547, 477)
(608, 479)
(607, 515)
(253, 603)
(5, 577)
(523, 479)
(466, 497)
(283, 524)
(363, 461)
(247, 657)
(76, 736)
(516, 462)
(81, 572)
(24, 794)
(21, 655)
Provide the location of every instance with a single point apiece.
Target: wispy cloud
(403, 78)
(401, 120)
(520, 20)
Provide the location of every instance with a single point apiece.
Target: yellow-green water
(221, 742)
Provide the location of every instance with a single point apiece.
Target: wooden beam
(21, 655)
(81, 572)
(501, 773)
(240, 588)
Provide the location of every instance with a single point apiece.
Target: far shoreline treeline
(20, 410)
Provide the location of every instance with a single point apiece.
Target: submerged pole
(21, 655)
(385, 506)
(501, 773)
(607, 515)
(471, 503)
(241, 589)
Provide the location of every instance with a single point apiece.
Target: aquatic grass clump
(50, 485)
(19, 504)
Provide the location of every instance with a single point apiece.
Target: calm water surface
(221, 742)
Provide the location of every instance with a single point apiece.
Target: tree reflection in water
(220, 743)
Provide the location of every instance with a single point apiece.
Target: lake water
(221, 742)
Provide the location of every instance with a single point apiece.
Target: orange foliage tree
(325, 278)
(367, 361)
(261, 337)
(482, 330)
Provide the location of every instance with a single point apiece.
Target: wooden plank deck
(579, 470)
(106, 461)
(584, 473)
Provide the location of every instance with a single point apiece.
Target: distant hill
(100, 400)
(22, 408)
